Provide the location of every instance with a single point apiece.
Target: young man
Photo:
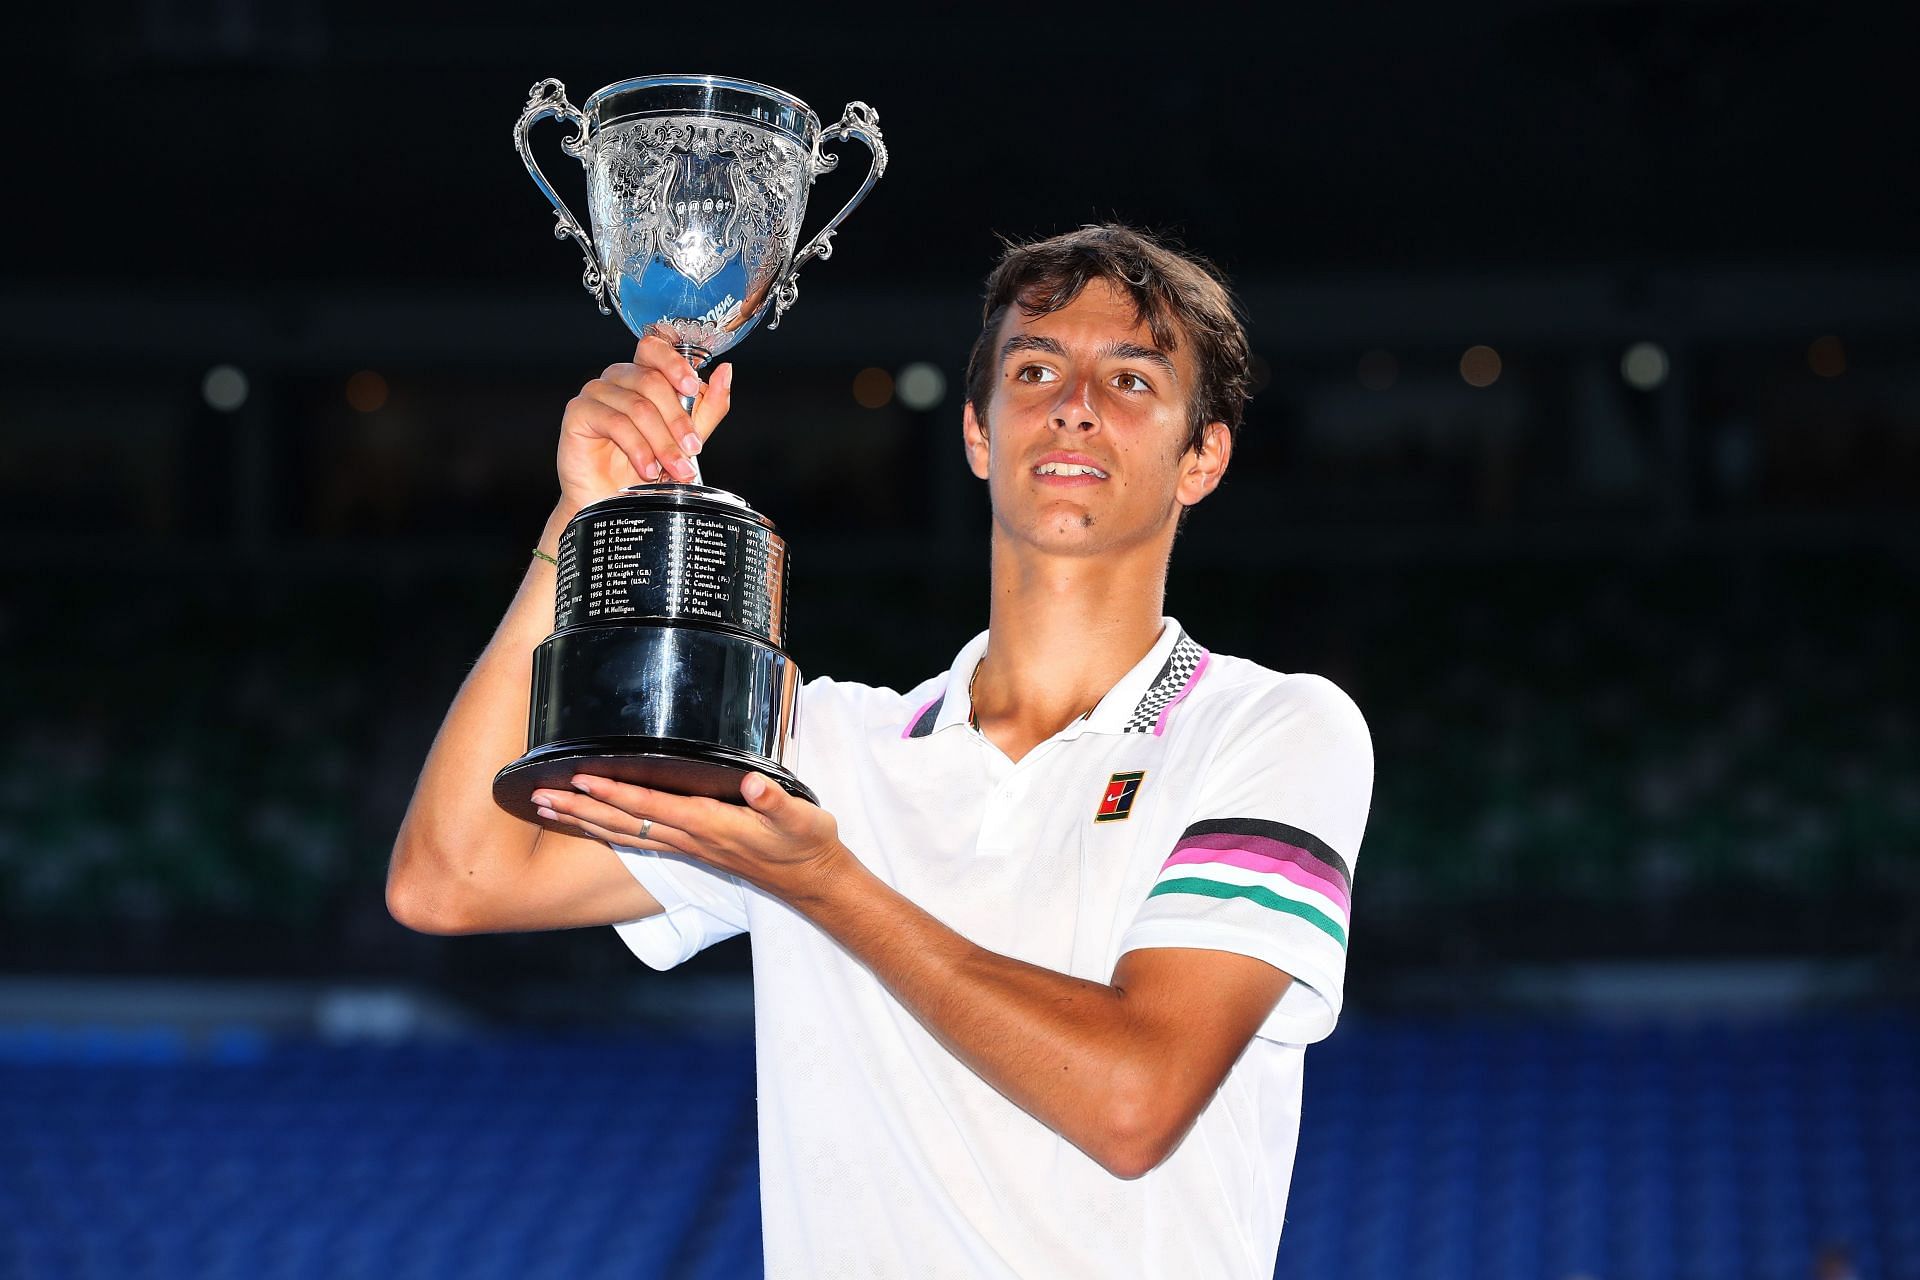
(1033, 983)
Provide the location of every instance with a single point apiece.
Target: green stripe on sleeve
(1254, 893)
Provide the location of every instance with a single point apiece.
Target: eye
(1035, 373)
(1131, 381)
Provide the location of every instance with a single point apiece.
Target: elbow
(409, 908)
(1128, 1156)
(421, 907)
(1132, 1164)
(1138, 1132)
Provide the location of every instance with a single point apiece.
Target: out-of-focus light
(1827, 357)
(872, 388)
(920, 386)
(1378, 370)
(1644, 365)
(367, 391)
(224, 387)
(1480, 366)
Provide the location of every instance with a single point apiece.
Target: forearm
(1063, 1049)
(453, 836)
(1120, 1069)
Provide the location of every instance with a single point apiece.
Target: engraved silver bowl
(696, 186)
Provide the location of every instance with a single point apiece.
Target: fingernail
(725, 377)
(689, 386)
(550, 815)
(690, 442)
(653, 471)
(682, 468)
(580, 783)
(542, 799)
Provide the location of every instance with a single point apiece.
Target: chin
(1067, 528)
(1072, 532)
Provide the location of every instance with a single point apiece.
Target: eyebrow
(1112, 351)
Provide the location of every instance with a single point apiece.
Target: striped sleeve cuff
(1267, 864)
(1263, 889)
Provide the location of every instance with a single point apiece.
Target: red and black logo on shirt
(1116, 805)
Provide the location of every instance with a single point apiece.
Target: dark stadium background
(1628, 596)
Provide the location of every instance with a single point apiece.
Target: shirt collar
(1139, 702)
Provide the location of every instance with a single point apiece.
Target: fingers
(610, 823)
(712, 398)
(590, 417)
(655, 352)
(647, 401)
(621, 805)
(659, 839)
(639, 409)
(714, 402)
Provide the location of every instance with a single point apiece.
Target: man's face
(1084, 443)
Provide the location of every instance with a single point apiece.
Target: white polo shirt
(1207, 802)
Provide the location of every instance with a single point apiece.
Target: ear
(974, 434)
(1201, 469)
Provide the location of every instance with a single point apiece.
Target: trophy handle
(861, 122)
(549, 98)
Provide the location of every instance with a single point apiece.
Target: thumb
(767, 798)
(715, 399)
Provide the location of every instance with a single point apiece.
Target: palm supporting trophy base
(659, 764)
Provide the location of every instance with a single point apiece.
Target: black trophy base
(684, 768)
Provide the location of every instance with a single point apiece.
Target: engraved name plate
(685, 563)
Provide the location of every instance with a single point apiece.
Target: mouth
(1056, 471)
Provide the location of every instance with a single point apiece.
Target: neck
(1061, 633)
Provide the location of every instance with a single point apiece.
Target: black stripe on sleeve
(1275, 831)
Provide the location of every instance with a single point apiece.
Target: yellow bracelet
(544, 556)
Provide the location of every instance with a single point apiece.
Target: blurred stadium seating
(1699, 755)
(1476, 1148)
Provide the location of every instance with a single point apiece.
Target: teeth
(1067, 469)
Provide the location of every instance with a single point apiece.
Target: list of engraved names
(675, 564)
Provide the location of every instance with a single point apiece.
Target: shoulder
(1242, 697)
(849, 706)
(1289, 748)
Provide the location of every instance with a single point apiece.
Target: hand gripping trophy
(667, 665)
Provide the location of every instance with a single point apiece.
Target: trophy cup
(667, 666)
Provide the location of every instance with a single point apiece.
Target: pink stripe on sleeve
(1265, 847)
(1331, 890)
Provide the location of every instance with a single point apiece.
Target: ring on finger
(646, 825)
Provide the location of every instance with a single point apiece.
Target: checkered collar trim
(1183, 669)
(1140, 702)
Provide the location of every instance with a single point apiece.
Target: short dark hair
(1178, 294)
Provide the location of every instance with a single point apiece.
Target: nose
(1074, 411)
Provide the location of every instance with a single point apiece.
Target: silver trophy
(667, 665)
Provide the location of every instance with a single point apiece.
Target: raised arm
(461, 864)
